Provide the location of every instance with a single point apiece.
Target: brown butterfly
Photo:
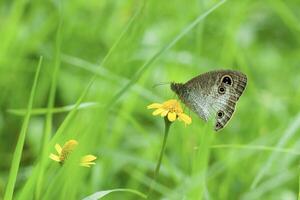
(213, 93)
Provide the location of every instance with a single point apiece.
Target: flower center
(174, 108)
(66, 151)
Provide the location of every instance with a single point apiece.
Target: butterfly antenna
(159, 84)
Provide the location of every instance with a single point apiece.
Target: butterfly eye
(221, 90)
(220, 113)
(227, 80)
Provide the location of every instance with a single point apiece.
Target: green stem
(49, 114)
(299, 188)
(12, 178)
(167, 128)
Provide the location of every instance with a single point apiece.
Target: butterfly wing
(234, 83)
(223, 105)
(214, 93)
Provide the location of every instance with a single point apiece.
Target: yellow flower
(64, 152)
(172, 110)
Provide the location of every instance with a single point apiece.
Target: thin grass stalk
(21, 140)
(256, 147)
(162, 151)
(54, 110)
(11, 23)
(49, 114)
(100, 194)
(201, 160)
(290, 131)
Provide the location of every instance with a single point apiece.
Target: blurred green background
(254, 157)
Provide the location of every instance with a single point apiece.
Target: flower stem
(167, 128)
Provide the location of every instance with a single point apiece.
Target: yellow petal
(85, 165)
(158, 111)
(54, 157)
(172, 116)
(170, 102)
(89, 163)
(69, 145)
(179, 108)
(88, 158)
(185, 118)
(58, 148)
(66, 150)
(164, 113)
(154, 105)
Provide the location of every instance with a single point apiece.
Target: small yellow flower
(172, 110)
(64, 152)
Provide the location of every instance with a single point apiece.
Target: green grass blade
(63, 109)
(200, 161)
(100, 194)
(256, 147)
(148, 63)
(21, 140)
(123, 33)
(103, 72)
(11, 24)
(290, 131)
(273, 184)
(49, 115)
(288, 17)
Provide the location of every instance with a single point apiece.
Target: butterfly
(214, 93)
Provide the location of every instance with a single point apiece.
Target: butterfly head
(177, 88)
(181, 90)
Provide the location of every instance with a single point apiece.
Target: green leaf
(100, 194)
